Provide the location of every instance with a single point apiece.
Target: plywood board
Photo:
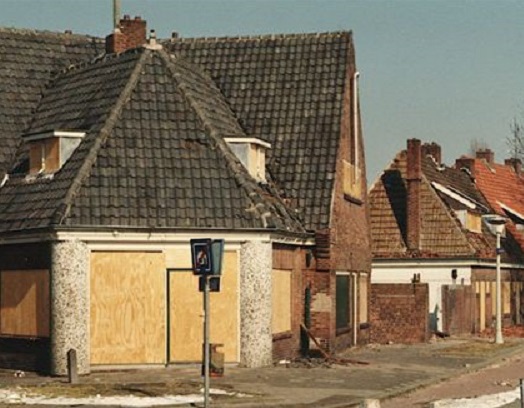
(128, 308)
(24, 303)
(186, 314)
(178, 258)
(281, 301)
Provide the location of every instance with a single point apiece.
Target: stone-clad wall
(69, 305)
(255, 304)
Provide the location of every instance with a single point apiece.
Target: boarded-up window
(506, 298)
(44, 155)
(342, 301)
(24, 303)
(363, 298)
(281, 301)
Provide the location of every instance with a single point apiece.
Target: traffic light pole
(206, 341)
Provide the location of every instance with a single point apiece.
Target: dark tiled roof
(28, 59)
(153, 155)
(287, 90)
(441, 233)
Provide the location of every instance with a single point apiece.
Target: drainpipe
(355, 118)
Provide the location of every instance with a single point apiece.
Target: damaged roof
(443, 191)
(153, 154)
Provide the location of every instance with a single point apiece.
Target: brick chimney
(130, 34)
(414, 177)
(486, 154)
(433, 150)
(515, 163)
(465, 162)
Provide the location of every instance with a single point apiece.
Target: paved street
(392, 370)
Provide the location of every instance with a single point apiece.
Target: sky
(446, 71)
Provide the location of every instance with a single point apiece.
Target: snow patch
(484, 401)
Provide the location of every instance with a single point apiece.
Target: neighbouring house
(115, 154)
(502, 186)
(428, 226)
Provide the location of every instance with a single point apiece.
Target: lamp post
(498, 224)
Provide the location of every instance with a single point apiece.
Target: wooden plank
(281, 301)
(482, 306)
(24, 303)
(128, 313)
(186, 310)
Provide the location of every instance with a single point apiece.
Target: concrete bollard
(370, 403)
(72, 367)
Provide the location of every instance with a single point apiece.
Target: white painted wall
(434, 275)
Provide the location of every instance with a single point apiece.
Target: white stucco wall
(434, 275)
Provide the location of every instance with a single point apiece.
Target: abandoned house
(428, 224)
(115, 153)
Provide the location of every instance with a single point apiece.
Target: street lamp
(498, 223)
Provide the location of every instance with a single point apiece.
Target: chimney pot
(174, 35)
(68, 31)
(487, 155)
(138, 18)
(467, 163)
(127, 17)
(432, 149)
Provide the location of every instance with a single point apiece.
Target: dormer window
(50, 150)
(252, 153)
(470, 220)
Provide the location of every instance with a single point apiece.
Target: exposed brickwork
(414, 176)
(487, 154)
(350, 232)
(434, 150)
(399, 313)
(131, 34)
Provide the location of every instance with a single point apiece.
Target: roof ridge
(338, 33)
(85, 168)
(96, 60)
(31, 31)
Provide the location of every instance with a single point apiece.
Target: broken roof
(153, 154)
(287, 90)
(442, 235)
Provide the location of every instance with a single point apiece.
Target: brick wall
(349, 235)
(399, 313)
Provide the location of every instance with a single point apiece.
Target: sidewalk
(392, 370)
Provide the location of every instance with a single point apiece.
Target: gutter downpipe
(355, 118)
(355, 278)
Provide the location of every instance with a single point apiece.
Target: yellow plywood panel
(506, 297)
(178, 258)
(363, 298)
(281, 301)
(186, 311)
(482, 306)
(493, 298)
(128, 303)
(24, 303)
(52, 159)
